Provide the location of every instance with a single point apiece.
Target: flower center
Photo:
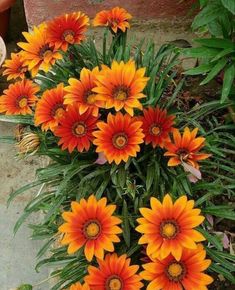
(92, 229)
(90, 97)
(169, 229)
(58, 111)
(155, 130)
(68, 36)
(22, 102)
(21, 69)
(120, 140)
(114, 283)
(176, 271)
(183, 153)
(45, 51)
(113, 22)
(121, 93)
(79, 129)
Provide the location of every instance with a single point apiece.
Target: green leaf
(230, 5)
(215, 42)
(229, 75)
(121, 177)
(214, 240)
(220, 270)
(208, 14)
(25, 287)
(45, 247)
(223, 53)
(17, 119)
(150, 176)
(24, 188)
(201, 69)
(126, 224)
(215, 255)
(201, 52)
(226, 212)
(7, 139)
(215, 70)
(215, 28)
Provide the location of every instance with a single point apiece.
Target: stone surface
(39, 11)
(17, 253)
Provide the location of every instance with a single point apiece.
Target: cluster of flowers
(78, 115)
(172, 259)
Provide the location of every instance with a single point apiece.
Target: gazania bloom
(116, 18)
(50, 108)
(156, 126)
(185, 148)
(91, 224)
(19, 98)
(37, 54)
(78, 286)
(119, 138)
(29, 144)
(80, 91)
(75, 130)
(121, 86)
(114, 273)
(14, 67)
(170, 274)
(168, 228)
(67, 29)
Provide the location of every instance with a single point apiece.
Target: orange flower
(116, 18)
(19, 98)
(185, 148)
(168, 228)
(121, 86)
(15, 67)
(114, 273)
(50, 108)
(170, 274)
(91, 224)
(119, 138)
(156, 126)
(37, 54)
(78, 286)
(67, 29)
(80, 91)
(75, 130)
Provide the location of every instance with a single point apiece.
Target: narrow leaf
(201, 69)
(215, 42)
(214, 72)
(229, 75)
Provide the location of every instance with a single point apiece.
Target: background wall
(38, 11)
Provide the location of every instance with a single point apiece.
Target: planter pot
(39, 11)
(3, 51)
(5, 9)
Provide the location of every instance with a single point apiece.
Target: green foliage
(25, 287)
(216, 17)
(220, 57)
(217, 53)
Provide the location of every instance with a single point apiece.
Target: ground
(17, 254)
